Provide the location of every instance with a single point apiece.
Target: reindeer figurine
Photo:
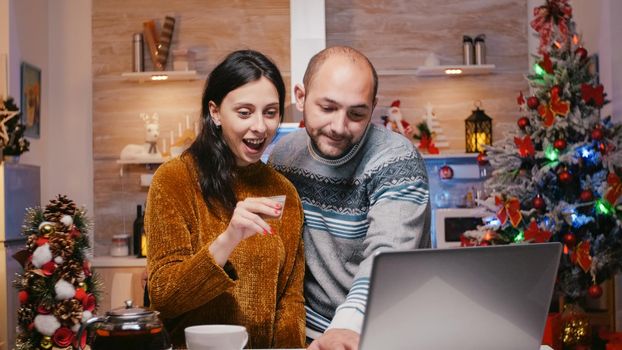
(152, 131)
(149, 150)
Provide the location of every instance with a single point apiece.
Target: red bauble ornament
(581, 52)
(446, 172)
(533, 102)
(597, 134)
(565, 177)
(595, 291)
(22, 295)
(538, 202)
(560, 144)
(603, 148)
(482, 159)
(586, 196)
(570, 239)
(523, 122)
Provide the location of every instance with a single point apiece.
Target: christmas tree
(556, 177)
(57, 290)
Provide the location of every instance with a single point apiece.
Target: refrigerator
(22, 189)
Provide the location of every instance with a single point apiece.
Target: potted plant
(12, 139)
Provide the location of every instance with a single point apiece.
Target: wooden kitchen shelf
(455, 70)
(168, 75)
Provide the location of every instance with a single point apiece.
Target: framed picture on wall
(31, 99)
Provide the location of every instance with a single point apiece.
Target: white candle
(179, 129)
(172, 137)
(196, 128)
(163, 146)
(187, 122)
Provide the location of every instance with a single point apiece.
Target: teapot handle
(86, 325)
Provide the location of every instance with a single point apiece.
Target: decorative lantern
(478, 130)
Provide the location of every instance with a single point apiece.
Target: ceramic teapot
(127, 327)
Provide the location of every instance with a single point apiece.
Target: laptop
(494, 297)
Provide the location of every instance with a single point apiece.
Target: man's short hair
(319, 58)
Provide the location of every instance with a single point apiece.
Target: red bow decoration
(581, 256)
(520, 99)
(525, 146)
(546, 63)
(509, 208)
(593, 94)
(426, 143)
(615, 188)
(535, 234)
(552, 16)
(555, 107)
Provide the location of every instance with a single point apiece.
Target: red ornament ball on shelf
(565, 177)
(523, 122)
(484, 243)
(446, 172)
(581, 52)
(560, 144)
(586, 196)
(595, 291)
(538, 202)
(597, 134)
(533, 102)
(570, 239)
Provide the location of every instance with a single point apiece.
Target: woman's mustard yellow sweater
(260, 286)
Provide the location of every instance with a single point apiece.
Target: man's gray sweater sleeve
(399, 219)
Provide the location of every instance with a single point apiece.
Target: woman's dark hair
(214, 159)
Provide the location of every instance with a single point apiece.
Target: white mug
(216, 337)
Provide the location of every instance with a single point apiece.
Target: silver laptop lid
(479, 298)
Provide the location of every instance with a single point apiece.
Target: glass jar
(120, 245)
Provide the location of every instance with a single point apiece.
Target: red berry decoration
(538, 202)
(581, 52)
(570, 239)
(595, 291)
(560, 144)
(556, 90)
(565, 177)
(533, 102)
(586, 196)
(523, 122)
(597, 134)
(22, 295)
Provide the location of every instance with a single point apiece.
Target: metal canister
(467, 50)
(480, 49)
(138, 62)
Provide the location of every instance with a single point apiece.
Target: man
(363, 189)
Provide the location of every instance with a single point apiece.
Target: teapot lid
(129, 311)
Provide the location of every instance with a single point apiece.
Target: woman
(213, 256)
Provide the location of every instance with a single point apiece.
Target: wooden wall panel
(212, 29)
(399, 35)
(395, 34)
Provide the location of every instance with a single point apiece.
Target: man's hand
(336, 339)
